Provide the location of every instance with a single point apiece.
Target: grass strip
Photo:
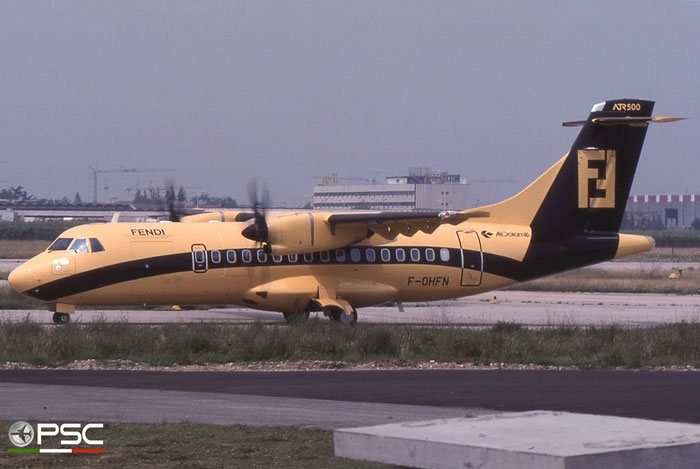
(666, 254)
(206, 343)
(196, 445)
(617, 281)
(21, 249)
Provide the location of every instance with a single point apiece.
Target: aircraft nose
(20, 279)
(13, 279)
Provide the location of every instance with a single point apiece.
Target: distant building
(39, 211)
(662, 210)
(420, 189)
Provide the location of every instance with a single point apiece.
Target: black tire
(61, 318)
(338, 315)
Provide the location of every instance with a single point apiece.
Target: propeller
(257, 231)
(172, 209)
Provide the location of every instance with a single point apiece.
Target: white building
(421, 189)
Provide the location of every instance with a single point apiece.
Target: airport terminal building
(420, 189)
(671, 211)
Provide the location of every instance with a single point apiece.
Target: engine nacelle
(296, 233)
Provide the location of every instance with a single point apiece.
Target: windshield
(79, 245)
(61, 244)
(96, 245)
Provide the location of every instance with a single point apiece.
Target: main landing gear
(61, 318)
(338, 315)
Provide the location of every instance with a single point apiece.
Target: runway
(337, 398)
(528, 308)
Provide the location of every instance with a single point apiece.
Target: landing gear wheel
(299, 316)
(338, 315)
(61, 318)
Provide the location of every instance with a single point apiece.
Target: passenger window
(325, 256)
(262, 257)
(231, 256)
(61, 244)
(308, 257)
(415, 255)
(370, 255)
(340, 255)
(292, 258)
(199, 257)
(444, 254)
(215, 257)
(400, 255)
(96, 245)
(430, 255)
(385, 254)
(277, 259)
(355, 255)
(79, 245)
(246, 256)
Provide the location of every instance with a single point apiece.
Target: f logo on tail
(596, 178)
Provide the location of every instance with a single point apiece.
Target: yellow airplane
(296, 262)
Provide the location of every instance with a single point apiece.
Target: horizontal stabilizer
(624, 120)
(633, 120)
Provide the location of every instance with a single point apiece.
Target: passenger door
(200, 262)
(472, 258)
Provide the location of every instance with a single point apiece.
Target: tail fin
(586, 190)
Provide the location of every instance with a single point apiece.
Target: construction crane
(96, 171)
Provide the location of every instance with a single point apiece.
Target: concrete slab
(524, 440)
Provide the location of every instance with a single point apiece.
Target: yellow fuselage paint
(270, 287)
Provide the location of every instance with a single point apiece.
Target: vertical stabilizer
(586, 190)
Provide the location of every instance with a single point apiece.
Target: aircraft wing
(390, 224)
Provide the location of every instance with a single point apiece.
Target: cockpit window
(96, 245)
(61, 244)
(79, 245)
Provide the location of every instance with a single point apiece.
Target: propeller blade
(257, 231)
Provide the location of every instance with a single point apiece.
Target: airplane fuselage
(212, 263)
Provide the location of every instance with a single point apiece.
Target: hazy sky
(285, 90)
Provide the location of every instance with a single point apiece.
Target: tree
(19, 193)
(77, 199)
(696, 224)
(181, 195)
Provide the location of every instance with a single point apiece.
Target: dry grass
(14, 249)
(196, 445)
(622, 281)
(666, 255)
(207, 343)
